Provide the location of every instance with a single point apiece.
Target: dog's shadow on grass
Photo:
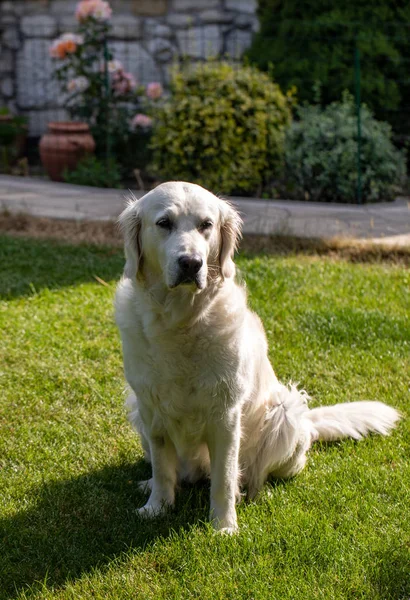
(83, 523)
(28, 265)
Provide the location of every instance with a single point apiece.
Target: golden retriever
(205, 399)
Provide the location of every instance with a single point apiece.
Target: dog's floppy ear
(231, 224)
(130, 225)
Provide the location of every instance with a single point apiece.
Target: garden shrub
(13, 132)
(321, 155)
(222, 127)
(315, 43)
(94, 172)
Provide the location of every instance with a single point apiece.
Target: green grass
(69, 462)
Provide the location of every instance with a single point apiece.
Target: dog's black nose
(190, 265)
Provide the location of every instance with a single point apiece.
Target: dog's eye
(207, 224)
(165, 223)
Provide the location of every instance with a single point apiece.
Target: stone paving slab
(384, 221)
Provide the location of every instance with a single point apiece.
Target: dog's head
(181, 234)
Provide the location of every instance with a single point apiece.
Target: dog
(205, 399)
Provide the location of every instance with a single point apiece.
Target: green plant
(96, 87)
(316, 43)
(321, 155)
(13, 131)
(222, 127)
(94, 172)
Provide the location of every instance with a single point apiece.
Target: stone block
(126, 27)
(168, 71)
(121, 6)
(137, 61)
(66, 24)
(12, 106)
(246, 6)
(35, 86)
(7, 87)
(236, 42)
(180, 21)
(31, 7)
(152, 8)
(256, 25)
(38, 120)
(7, 19)
(200, 42)
(11, 38)
(7, 7)
(63, 7)
(194, 5)
(39, 26)
(162, 31)
(161, 49)
(244, 21)
(6, 61)
(216, 16)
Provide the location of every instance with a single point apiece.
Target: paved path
(389, 222)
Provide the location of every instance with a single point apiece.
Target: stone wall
(147, 36)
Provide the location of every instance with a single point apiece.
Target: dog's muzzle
(189, 267)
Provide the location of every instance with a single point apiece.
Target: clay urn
(63, 146)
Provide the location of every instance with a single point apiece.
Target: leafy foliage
(94, 172)
(321, 154)
(222, 128)
(13, 130)
(315, 42)
(97, 89)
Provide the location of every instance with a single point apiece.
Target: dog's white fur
(205, 399)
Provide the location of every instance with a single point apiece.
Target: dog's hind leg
(283, 440)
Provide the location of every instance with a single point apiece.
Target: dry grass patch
(107, 233)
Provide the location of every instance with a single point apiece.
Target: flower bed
(98, 90)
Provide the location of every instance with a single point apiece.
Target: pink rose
(140, 120)
(78, 84)
(154, 90)
(97, 9)
(123, 83)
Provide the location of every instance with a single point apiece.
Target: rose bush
(97, 89)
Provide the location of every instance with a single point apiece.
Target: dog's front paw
(227, 530)
(154, 508)
(225, 524)
(150, 511)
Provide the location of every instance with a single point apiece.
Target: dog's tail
(352, 419)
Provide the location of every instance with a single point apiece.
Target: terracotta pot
(63, 146)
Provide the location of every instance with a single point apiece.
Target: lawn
(69, 462)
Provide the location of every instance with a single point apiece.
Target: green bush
(315, 43)
(321, 155)
(222, 127)
(94, 172)
(13, 132)
(133, 151)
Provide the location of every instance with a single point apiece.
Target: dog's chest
(185, 373)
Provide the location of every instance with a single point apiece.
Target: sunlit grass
(70, 462)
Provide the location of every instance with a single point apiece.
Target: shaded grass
(70, 463)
